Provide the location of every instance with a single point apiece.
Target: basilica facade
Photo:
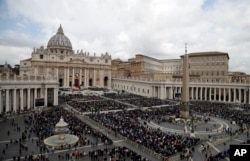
(72, 69)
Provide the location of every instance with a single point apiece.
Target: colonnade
(21, 98)
(218, 94)
(202, 91)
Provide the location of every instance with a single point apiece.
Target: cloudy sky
(123, 28)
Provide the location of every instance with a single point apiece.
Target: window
(41, 56)
(106, 60)
(25, 64)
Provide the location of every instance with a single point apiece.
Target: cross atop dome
(60, 30)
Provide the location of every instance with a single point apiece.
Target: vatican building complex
(36, 80)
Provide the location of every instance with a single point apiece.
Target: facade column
(68, 80)
(1, 102)
(73, 77)
(28, 95)
(94, 78)
(80, 77)
(21, 99)
(86, 77)
(109, 79)
(64, 76)
(14, 100)
(7, 101)
(102, 78)
(55, 96)
(45, 97)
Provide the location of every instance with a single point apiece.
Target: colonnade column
(170, 93)
(162, 92)
(205, 95)
(55, 97)
(14, 99)
(35, 96)
(245, 96)
(239, 95)
(7, 104)
(201, 92)
(192, 93)
(214, 92)
(196, 93)
(219, 94)
(28, 95)
(248, 95)
(229, 95)
(234, 95)
(224, 94)
(21, 98)
(153, 91)
(45, 97)
(210, 94)
(1, 104)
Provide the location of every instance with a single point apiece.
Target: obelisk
(185, 87)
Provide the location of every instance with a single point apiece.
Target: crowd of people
(114, 153)
(126, 124)
(45, 122)
(137, 100)
(97, 106)
(222, 110)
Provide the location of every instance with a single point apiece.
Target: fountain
(61, 138)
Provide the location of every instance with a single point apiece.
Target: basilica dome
(59, 40)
